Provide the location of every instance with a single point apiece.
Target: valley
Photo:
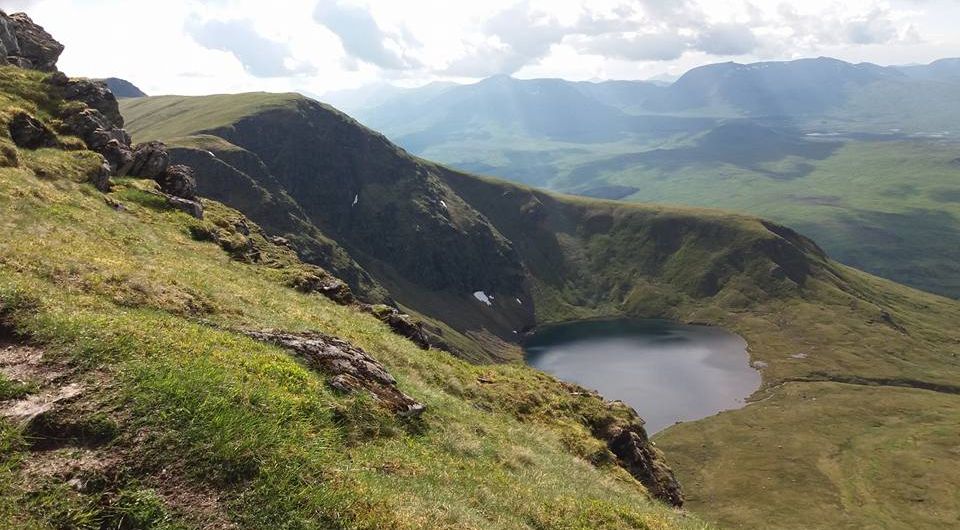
(864, 164)
(250, 310)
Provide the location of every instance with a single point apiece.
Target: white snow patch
(482, 296)
(211, 154)
(443, 203)
(519, 301)
(356, 199)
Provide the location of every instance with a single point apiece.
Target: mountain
(805, 86)
(799, 142)
(940, 70)
(500, 105)
(168, 362)
(358, 100)
(122, 88)
(550, 258)
(160, 369)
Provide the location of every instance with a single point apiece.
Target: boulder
(33, 47)
(193, 208)
(100, 176)
(351, 369)
(402, 324)
(29, 133)
(178, 181)
(150, 160)
(118, 156)
(9, 47)
(95, 129)
(96, 95)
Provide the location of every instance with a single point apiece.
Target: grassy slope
(824, 454)
(204, 417)
(888, 207)
(591, 258)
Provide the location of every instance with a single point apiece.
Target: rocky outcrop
(96, 95)
(645, 462)
(351, 369)
(150, 160)
(178, 181)
(401, 324)
(627, 440)
(30, 133)
(27, 45)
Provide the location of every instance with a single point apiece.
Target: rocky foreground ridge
(93, 116)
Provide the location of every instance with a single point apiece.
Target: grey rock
(150, 160)
(193, 208)
(118, 155)
(30, 133)
(178, 181)
(33, 47)
(351, 368)
(96, 95)
(100, 177)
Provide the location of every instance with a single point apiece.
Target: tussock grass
(124, 291)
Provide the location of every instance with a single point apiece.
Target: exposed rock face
(29, 133)
(193, 208)
(401, 324)
(150, 160)
(96, 95)
(95, 129)
(627, 440)
(644, 461)
(178, 181)
(351, 368)
(27, 45)
(100, 177)
(118, 156)
(321, 282)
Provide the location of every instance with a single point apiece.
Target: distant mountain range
(753, 137)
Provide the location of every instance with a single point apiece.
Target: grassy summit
(875, 352)
(172, 418)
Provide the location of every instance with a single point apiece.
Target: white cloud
(194, 46)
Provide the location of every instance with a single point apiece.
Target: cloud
(727, 39)
(361, 36)
(662, 46)
(259, 55)
(873, 28)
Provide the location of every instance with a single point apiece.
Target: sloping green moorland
(855, 424)
(181, 421)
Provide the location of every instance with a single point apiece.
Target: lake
(668, 372)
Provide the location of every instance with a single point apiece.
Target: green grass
(170, 118)
(143, 311)
(882, 459)
(588, 258)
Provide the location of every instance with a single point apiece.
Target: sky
(318, 46)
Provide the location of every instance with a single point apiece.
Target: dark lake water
(668, 372)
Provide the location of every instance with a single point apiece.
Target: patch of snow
(443, 203)
(800, 355)
(482, 296)
(519, 301)
(211, 154)
(356, 199)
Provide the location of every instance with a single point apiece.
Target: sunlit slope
(809, 322)
(175, 418)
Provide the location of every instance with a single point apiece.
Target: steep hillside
(813, 326)
(161, 371)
